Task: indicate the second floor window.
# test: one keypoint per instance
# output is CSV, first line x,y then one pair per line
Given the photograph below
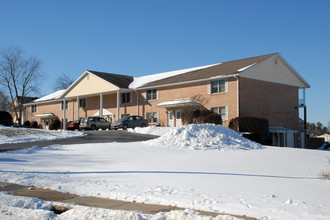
x,y
66,105
219,86
151,94
82,103
126,97
33,108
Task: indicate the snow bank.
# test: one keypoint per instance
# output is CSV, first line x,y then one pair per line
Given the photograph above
x,y
17,135
153,130
203,137
19,207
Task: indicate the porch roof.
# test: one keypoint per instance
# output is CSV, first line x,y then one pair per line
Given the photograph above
x,y
46,115
177,103
104,112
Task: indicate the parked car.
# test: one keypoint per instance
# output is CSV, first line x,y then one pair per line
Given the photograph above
x,y
129,122
72,125
94,123
5,118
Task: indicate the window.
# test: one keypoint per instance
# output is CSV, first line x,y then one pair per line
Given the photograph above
x,y
126,97
152,117
222,111
152,94
66,105
33,108
219,86
82,103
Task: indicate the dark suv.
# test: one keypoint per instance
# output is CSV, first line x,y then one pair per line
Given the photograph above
x,y
5,118
94,123
131,121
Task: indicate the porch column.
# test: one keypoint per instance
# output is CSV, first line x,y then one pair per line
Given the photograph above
x,y
72,110
137,102
77,107
118,104
64,114
101,105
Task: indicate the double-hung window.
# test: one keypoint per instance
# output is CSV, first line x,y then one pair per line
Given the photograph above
x,y
219,86
152,117
33,108
66,105
222,111
126,97
151,94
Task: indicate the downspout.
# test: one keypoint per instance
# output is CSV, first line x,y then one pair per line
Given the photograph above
x,y
236,77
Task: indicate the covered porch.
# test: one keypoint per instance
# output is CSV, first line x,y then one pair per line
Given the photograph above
x,y
176,109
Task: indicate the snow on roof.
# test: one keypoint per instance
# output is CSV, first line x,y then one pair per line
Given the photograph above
x,y
244,68
51,96
140,81
180,102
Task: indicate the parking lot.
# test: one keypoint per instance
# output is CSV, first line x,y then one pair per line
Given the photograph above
x,y
91,137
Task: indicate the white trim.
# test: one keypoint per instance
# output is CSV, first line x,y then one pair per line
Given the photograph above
x,y
35,106
78,81
209,87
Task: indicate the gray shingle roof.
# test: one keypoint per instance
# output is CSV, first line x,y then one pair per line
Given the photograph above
x,y
122,81
222,69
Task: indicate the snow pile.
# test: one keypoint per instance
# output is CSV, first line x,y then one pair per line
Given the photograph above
x,y
203,137
17,135
98,213
153,130
19,207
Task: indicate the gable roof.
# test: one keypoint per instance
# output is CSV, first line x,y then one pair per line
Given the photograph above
x,y
221,69
121,81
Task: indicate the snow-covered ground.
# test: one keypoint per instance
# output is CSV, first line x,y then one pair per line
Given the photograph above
x,y
203,167
19,135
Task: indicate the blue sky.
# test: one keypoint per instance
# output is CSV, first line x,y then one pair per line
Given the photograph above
x,y
150,36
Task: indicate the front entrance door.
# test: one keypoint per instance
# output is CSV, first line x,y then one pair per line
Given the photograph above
x,y
177,118
171,118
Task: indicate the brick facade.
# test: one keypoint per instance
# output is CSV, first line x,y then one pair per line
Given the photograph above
x,y
273,101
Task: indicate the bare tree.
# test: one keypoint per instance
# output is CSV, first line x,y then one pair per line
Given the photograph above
x,y
19,76
63,82
4,104
190,109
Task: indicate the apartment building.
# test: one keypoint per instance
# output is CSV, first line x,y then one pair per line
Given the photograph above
x,y
265,86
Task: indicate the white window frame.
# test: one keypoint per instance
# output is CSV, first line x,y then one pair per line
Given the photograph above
x,y
217,110
219,87
33,108
153,92
66,103
155,115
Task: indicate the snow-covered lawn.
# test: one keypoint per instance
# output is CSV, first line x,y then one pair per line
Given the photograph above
x,y
194,167
19,135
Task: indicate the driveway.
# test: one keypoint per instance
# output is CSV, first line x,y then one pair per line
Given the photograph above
x,y
91,137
